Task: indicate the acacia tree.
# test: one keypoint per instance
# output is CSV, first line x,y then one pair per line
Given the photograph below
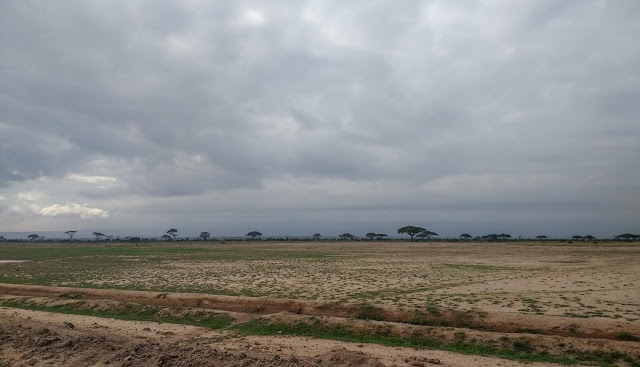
x,y
465,236
173,233
254,234
166,237
70,234
347,236
426,234
99,235
577,237
627,237
205,235
370,235
33,237
504,236
380,235
541,237
316,236
411,230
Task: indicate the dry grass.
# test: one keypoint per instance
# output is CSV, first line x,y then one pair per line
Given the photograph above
x,y
573,280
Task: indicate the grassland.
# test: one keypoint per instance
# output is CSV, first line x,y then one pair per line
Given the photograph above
x,y
576,280
530,292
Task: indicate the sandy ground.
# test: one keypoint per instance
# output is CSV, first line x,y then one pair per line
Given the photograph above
x,y
34,338
579,279
557,296
247,307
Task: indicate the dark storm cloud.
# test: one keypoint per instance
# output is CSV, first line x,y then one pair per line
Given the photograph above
x,y
467,104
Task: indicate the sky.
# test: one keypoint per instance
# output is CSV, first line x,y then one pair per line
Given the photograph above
x,y
296,117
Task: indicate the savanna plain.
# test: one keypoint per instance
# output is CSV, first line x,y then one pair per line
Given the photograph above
x,y
323,303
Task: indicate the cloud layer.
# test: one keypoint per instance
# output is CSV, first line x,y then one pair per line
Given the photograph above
x,y
82,210
303,116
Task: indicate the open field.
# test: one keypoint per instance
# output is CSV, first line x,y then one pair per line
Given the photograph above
x,y
550,302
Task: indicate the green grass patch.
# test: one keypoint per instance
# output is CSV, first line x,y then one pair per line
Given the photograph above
x,y
110,266
415,340
520,349
175,315
476,267
154,250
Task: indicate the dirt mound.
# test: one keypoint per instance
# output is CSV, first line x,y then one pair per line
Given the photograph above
x,y
592,328
347,358
30,344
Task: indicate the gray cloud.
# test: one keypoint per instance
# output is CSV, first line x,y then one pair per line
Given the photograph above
x,y
456,113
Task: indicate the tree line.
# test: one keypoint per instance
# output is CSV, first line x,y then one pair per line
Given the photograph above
x,y
412,231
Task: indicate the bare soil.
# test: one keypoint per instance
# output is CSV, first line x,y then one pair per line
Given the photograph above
x,y
592,328
556,297
578,280
34,338
50,339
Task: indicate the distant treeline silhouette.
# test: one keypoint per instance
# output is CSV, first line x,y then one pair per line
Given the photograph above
x,y
415,234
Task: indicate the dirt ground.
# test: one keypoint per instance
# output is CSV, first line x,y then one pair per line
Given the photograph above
x,y
580,280
556,297
34,338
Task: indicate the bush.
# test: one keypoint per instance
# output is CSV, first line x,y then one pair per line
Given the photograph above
x,y
627,337
370,312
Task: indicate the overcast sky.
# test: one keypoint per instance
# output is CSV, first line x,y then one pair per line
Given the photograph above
x,y
296,117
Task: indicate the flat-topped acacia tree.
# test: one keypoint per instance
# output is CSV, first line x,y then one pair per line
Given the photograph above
x,y
99,235
347,236
173,233
627,237
411,230
70,234
254,234
426,234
